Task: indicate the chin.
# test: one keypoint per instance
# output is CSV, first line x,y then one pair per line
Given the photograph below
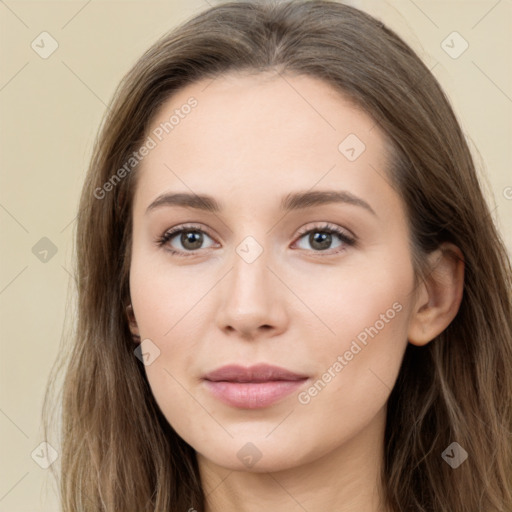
x,y
255,457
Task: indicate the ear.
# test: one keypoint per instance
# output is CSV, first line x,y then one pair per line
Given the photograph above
x,y
439,298
132,322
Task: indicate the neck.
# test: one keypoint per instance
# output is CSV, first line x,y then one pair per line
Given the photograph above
x,y
346,479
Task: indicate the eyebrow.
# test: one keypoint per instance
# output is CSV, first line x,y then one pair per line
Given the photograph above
x,y
292,201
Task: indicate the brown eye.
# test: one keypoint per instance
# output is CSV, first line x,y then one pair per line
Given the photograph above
x,y
321,239
183,240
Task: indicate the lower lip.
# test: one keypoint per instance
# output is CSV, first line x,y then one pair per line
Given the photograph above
x,y
253,395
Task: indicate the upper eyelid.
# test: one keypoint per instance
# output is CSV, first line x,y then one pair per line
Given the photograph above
x,y
307,227
325,225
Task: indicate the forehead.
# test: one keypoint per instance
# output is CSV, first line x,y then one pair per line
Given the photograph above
x,y
257,132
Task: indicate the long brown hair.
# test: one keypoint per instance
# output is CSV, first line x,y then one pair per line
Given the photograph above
x,y
117,450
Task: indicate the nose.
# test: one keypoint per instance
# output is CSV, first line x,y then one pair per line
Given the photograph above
x,y
252,300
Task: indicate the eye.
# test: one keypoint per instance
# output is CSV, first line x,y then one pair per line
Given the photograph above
x,y
320,238
191,238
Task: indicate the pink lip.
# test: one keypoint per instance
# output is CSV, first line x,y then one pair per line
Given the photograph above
x,y
254,387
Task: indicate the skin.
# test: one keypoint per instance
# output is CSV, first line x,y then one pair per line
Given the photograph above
x,y
251,140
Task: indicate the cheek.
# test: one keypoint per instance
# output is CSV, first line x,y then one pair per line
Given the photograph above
x,y
364,301
360,360
168,333
358,357
167,303
162,293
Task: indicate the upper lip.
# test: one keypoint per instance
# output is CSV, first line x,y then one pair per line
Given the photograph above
x,y
256,373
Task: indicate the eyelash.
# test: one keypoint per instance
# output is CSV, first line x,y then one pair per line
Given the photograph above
x,y
324,228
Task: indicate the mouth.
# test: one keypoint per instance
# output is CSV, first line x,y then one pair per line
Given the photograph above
x,y
254,387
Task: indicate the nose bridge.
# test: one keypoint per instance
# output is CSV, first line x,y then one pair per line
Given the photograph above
x,y
250,293
250,277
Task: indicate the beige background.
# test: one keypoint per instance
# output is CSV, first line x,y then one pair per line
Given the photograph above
x,y
50,110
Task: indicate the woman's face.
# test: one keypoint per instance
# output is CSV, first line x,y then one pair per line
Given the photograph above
x,y
264,278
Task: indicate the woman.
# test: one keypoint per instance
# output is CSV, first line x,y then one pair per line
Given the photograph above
x,y
339,332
